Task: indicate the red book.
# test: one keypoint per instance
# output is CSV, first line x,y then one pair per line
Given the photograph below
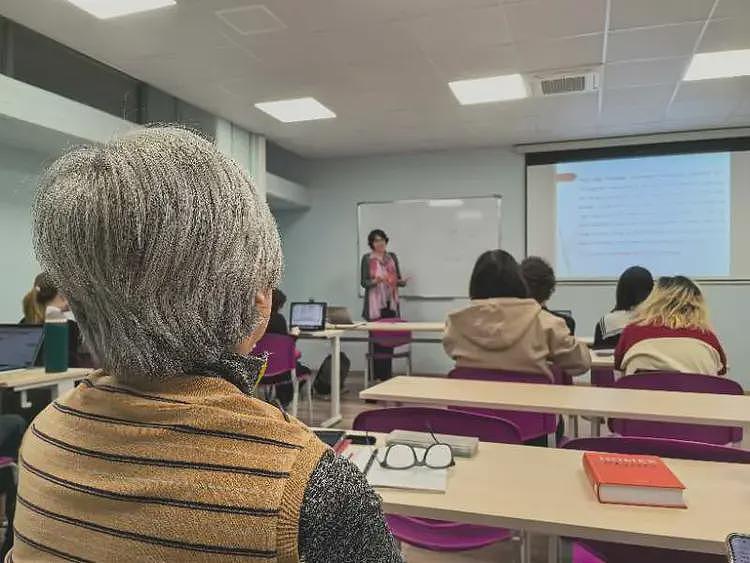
x,y
642,480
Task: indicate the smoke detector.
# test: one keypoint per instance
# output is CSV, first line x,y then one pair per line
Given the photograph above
x,y
559,82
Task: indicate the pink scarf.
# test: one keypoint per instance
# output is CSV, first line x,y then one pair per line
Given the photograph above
x,y
384,293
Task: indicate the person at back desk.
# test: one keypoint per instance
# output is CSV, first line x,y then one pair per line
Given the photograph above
x,y
633,287
540,279
671,332
505,330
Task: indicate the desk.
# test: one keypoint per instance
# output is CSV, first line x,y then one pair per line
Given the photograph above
x,y
602,359
22,380
545,491
663,406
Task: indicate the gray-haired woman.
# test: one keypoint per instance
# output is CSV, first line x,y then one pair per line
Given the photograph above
x,y
168,257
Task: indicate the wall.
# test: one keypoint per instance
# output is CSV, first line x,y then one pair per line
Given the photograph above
x,y
19,171
321,244
322,260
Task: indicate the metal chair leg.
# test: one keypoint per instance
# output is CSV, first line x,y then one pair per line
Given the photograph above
x,y
295,395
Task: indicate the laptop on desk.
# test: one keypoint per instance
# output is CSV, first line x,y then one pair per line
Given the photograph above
x,y
308,316
20,346
339,315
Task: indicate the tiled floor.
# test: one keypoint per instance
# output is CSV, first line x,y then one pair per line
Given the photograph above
x,y
506,552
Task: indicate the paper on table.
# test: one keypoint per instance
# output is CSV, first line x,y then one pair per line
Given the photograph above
x,y
416,478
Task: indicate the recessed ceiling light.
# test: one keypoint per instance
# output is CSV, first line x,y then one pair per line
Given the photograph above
x,y
298,109
490,89
719,64
105,9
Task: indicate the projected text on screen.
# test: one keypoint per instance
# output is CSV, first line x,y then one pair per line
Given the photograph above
x,y
670,214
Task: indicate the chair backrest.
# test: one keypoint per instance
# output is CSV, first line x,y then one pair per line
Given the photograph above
x,y
391,338
440,421
681,382
532,424
281,353
664,447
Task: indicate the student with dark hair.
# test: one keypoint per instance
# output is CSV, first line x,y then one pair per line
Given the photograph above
x,y
380,276
540,279
277,325
633,287
502,328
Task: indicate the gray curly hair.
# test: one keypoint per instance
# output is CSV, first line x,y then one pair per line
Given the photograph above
x,y
160,244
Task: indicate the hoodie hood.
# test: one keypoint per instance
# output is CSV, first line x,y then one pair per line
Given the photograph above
x,y
496,324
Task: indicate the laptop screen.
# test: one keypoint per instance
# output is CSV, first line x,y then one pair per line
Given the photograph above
x,y
19,345
308,316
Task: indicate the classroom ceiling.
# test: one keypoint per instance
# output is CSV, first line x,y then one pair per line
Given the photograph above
x,y
383,65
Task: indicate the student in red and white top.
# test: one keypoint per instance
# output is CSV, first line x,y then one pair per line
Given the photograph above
x,y
671,332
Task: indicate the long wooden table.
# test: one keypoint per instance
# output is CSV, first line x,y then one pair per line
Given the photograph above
x,y
663,406
545,491
22,380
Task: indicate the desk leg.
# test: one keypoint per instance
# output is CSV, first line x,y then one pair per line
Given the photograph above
x,y
596,426
573,422
61,388
525,547
553,549
335,383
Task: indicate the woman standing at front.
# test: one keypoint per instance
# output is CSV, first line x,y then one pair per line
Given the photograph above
x,y
380,277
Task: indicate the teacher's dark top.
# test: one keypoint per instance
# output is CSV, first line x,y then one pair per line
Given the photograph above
x,y
368,283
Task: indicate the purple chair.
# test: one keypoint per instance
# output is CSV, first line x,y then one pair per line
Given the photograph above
x,y
387,339
282,359
602,377
593,551
684,382
437,535
531,424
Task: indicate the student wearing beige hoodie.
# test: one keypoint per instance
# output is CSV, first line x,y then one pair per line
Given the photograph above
x,y
504,329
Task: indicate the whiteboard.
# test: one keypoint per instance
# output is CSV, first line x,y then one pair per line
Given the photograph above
x,y
437,240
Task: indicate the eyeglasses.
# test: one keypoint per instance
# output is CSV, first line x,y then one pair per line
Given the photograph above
x,y
405,456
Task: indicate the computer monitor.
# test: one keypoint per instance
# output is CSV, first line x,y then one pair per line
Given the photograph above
x,y
308,316
20,346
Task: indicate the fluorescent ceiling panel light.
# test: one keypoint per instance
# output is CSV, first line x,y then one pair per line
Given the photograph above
x,y
105,9
490,89
298,109
719,64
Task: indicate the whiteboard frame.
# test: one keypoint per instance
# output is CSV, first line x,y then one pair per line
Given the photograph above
x,y
499,199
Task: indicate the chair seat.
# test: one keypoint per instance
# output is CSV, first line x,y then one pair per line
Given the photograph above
x,y
443,537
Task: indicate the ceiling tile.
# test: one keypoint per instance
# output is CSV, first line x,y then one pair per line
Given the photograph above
x,y
639,104
732,8
653,42
555,18
492,60
470,28
725,98
726,34
645,72
640,13
560,53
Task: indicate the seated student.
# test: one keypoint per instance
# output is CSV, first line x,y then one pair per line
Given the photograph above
x,y
540,279
503,329
633,287
45,296
671,332
168,258
277,325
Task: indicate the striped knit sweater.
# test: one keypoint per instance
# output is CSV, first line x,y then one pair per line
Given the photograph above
x,y
658,348
111,472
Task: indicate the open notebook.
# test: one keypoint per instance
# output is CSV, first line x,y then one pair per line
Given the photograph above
x,y
416,478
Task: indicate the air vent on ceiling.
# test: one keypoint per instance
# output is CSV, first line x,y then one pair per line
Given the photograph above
x,y
565,82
